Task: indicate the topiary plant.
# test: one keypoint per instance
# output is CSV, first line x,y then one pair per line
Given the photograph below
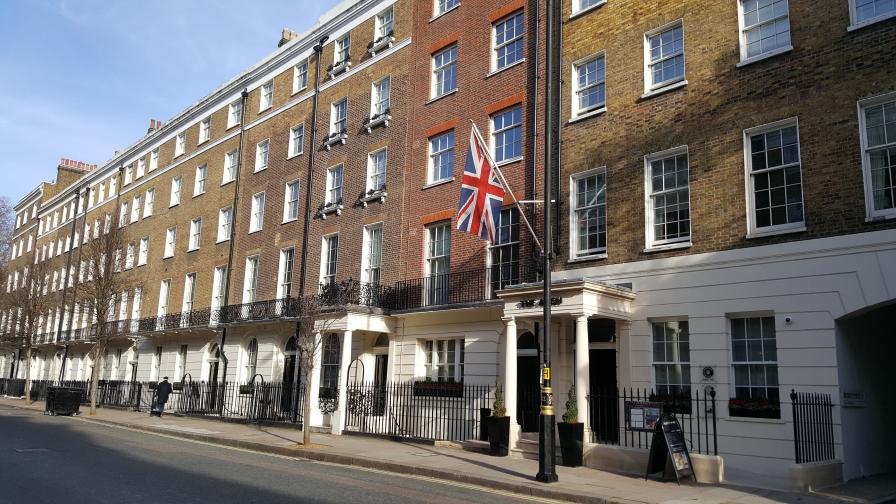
x,y
498,409
572,410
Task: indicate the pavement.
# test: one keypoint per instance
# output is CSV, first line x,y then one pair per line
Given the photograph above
x,y
506,474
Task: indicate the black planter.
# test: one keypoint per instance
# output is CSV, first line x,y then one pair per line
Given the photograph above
x,y
571,441
484,413
499,435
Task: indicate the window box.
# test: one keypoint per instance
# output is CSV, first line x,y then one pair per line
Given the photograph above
x,y
329,208
378,119
384,42
373,195
335,138
338,68
754,408
438,389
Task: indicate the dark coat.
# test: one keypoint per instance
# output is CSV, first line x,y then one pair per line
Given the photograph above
x,y
163,391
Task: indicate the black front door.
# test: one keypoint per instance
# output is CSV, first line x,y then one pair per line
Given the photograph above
x,y
604,402
380,375
528,392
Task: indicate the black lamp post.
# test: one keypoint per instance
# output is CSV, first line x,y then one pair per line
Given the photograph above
x,y
546,443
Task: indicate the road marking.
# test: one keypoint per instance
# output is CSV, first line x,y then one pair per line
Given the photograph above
x,y
332,464
31,450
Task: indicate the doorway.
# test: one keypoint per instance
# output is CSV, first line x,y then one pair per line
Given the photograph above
x,y
290,372
528,382
604,403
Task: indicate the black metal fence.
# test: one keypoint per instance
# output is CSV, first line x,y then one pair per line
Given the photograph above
x,y
696,414
418,410
813,427
255,402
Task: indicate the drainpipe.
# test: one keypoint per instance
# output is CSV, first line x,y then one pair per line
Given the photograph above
x,y
318,49
236,197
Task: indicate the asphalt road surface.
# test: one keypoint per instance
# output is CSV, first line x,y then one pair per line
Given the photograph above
x,y
62,460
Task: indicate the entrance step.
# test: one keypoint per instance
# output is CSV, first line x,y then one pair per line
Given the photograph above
x,y
527,448
470,445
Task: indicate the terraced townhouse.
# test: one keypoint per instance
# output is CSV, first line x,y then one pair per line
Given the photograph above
x,y
724,229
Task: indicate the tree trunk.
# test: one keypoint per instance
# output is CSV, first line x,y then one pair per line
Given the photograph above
x,y
94,375
28,375
306,408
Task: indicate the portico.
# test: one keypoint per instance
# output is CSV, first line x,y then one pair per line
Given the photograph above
x,y
575,303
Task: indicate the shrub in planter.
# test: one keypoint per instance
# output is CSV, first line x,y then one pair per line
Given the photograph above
x,y
499,426
572,432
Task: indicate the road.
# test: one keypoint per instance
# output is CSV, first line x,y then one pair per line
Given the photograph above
x,y
65,460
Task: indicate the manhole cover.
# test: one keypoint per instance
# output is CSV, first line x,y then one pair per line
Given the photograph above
x,y
31,450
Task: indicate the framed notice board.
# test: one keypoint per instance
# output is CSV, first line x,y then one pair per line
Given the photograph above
x,y
642,416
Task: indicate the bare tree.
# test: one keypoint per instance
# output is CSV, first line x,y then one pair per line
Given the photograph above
x,y
103,284
27,303
316,315
7,228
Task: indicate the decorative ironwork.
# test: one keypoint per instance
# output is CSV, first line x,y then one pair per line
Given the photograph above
x,y
813,427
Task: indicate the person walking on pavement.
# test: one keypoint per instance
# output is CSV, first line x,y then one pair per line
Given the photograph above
x,y
162,392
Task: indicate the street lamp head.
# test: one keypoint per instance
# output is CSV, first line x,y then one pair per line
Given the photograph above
x,y
320,44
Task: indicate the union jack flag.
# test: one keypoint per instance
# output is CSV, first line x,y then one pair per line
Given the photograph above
x,y
481,192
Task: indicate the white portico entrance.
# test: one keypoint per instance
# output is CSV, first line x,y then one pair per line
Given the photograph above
x,y
581,308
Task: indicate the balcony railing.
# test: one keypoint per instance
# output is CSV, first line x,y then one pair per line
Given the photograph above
x,y
428,293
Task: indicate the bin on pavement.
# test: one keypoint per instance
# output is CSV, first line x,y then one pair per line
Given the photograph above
x,y
63,400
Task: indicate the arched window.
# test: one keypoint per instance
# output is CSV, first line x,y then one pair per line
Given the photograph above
x,y
329,376
252,362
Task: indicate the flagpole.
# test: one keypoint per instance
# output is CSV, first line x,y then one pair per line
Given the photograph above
x,y
491,160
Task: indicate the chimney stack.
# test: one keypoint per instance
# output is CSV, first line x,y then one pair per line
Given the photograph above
x,y
286,36
154,124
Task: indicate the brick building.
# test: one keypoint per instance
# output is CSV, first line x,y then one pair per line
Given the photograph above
x,y
724,227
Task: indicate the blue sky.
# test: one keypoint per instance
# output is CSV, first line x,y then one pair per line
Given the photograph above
x,y
81,78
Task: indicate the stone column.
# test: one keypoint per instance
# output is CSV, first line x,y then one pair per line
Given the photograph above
x,y
582,370
345,358
508,383
317,418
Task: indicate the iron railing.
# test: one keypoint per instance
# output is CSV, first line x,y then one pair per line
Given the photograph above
x,y
417,410
813,427
696,413
253,402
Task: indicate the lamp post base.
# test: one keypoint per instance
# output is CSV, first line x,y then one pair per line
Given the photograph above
x,y
547,461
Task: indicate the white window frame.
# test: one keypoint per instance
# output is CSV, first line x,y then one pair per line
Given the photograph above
x,y
855,24
262,155
730,318
383,23
432,361
180,144
300,76
575,107
205,130
230,160
335,119
189,293
325,249
332,189
234,113
288,200
438,71
284,274
495,133
649,216
342,44
129,256
870,213
170,242
176,187
432,176
371,166
296,140
651,87
154,159
201,180
218,282
266,96
164,297
517,36
367,265
256,220
378,104
143,253
577,7
600,252
250,280
150,199
679,360
793,227
141,170
195,234
135,208
225,222
443,6
742,34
